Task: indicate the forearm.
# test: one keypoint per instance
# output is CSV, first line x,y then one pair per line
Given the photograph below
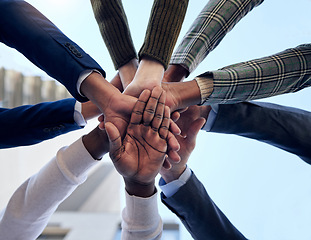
x,y
280,126
39,122
163,29
193,206
284,72
31,206
141,219
118,40
24,28
215,20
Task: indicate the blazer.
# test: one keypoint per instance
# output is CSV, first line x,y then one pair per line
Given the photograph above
x,y
31,124
28,31
199,214
283,127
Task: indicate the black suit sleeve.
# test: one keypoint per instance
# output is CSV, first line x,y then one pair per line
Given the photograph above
x,y
28,31
31,124
284,127
199,214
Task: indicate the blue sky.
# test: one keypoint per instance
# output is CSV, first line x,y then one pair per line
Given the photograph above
x,y
261,189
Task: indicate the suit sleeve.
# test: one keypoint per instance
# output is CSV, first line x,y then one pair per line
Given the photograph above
x,y
216,19
31,124
283,127
199,214
28,31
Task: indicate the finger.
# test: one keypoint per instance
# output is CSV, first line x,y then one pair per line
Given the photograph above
x,y
158,117
166,164
101,118
194,129
164,128
137,113
114,137
175,116
172,142
173,156
174,128
151,106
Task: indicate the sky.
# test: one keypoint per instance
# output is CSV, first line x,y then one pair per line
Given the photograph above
x,y
261,189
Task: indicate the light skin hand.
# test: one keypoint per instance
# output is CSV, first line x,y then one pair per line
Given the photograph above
x,y
187,144
181,95
127,72
149,75
140,156
115,106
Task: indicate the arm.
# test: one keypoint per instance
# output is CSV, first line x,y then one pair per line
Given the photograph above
x,y
216,19
138,158
24,28
199,214
32,204
284,72
279,126
190,201
31,124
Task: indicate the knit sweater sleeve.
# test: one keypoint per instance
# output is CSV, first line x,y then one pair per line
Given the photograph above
x,y
163,29
113,25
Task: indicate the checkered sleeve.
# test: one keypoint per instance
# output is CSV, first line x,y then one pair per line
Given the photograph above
x,y
285,72
216,19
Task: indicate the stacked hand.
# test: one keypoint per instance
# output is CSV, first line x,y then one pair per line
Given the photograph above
x,y
141,154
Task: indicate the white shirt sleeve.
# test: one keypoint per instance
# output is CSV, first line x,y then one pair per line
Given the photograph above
x,y
77,115
32,204
141,219
169,189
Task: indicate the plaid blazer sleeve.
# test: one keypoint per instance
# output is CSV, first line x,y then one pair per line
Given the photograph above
x,y
216,19
284,72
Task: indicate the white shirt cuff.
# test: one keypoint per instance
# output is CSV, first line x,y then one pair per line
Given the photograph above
x,y
211,118
169,189
83,75
77,115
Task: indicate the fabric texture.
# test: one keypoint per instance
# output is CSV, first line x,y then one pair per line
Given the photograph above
x,y
199,214
163,29
216,19
33,203
280,126
141,219
31,124
28,31
285,72
114,28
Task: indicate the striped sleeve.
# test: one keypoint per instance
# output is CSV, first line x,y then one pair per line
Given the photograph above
x,y
163,29
284,72
113,25
216,19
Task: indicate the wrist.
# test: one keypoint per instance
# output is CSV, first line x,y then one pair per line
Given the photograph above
x,y
96,143
175,73
128,71
172,175
139,189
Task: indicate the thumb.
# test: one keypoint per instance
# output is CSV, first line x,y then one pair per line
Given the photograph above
x,y
195,128
114,138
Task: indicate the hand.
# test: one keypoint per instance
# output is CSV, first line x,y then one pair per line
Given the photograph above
x,y
191,127
181,95
149,75
139,157
175,73
127,72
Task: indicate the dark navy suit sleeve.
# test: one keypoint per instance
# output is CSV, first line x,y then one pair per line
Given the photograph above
x,y
283,127
31,124
199,214
28,31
